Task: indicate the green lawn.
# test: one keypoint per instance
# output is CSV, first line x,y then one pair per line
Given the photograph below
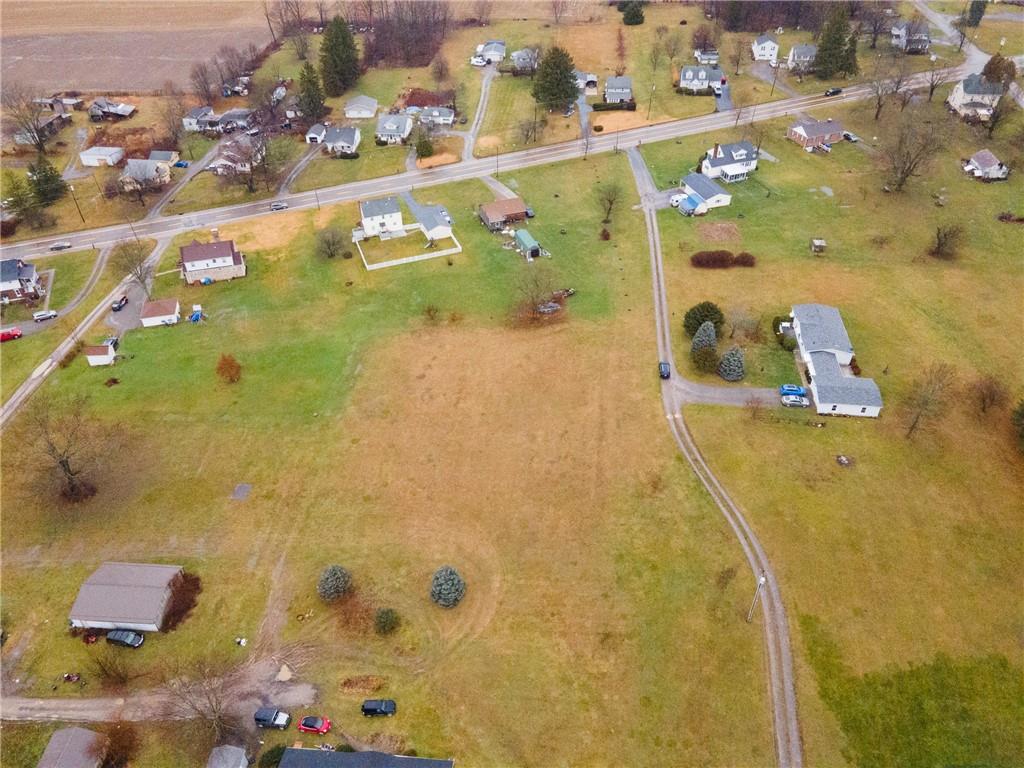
x,y
530,458
990,35
373,161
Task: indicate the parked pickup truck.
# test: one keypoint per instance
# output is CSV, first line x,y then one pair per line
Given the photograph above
x,y
269,717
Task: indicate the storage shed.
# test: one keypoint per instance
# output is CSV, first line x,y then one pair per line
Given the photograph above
x,y
101,354
94,157
526,244
126,596
160,312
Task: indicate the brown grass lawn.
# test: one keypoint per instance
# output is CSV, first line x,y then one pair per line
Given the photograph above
x,y
604,613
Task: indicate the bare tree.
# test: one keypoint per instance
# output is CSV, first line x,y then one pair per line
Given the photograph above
x,y
1003,108
199,692
172,110
739,48
937,75
900,87
131,258
881,84
261,96
70,440
874,21
439,70
961,25
928,396
291,15
330,242
121,746
270,13
754,407
989,393
673,46
201,79
654,56
915,141
528,131
535,285
558,10
323,10
660,31
608,196
234,62
25,113
947,241
482,10
113,668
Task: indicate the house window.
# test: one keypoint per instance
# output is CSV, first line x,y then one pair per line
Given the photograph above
x,y
863,410
835,407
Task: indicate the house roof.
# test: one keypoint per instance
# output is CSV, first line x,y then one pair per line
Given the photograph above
x,y
101,350
393,124
15,269
804,51
586,77
362,102
73,748
316,758
620,83
821,327
344,135
526,240
227,756
762,39
976,85
501,209
159,307
219,249
984,159
703,186
379,207
141,170
437,112
834,387
115,107
495,46
196,112
317,129
102,151
525,56
235,115
163,155
432,216
129,593
912,26
814,128
737,152
700,72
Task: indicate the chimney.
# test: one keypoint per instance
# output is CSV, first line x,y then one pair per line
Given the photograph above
x,y
715,152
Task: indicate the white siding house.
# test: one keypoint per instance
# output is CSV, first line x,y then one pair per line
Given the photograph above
x,y
974,97
730,162
986,166
393,129
101,354
343,141
706,193
697,79
618,89
380,217
801,57
198,119
437,116
765,48
160,312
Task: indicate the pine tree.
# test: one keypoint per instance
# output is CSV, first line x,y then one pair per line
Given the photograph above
x,y
832,49
705,337
339,59
633,14
311,95
731,367
554,86
850,65
975,12
21,202
45,182
698,313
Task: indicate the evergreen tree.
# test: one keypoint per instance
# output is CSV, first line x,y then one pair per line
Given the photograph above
x,y
311,95
975,12
20,200
850,65
339,59
705,360
45,182
731,367
832,48
633,14
554,86
447,587
705,337
335,582
698,313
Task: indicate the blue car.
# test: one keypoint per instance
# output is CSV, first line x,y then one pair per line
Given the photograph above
x,y
181,164
792,389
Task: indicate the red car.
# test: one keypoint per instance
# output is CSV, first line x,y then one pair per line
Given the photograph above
x,y
314,724
10,335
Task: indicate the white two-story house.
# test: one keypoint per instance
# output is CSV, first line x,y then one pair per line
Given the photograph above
x,y
765,48
206,263
700,78
379,218
730,162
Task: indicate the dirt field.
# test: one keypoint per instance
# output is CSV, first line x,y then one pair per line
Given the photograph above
x,y
117,45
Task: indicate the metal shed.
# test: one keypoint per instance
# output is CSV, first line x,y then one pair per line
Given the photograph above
x,y
126,596
526,244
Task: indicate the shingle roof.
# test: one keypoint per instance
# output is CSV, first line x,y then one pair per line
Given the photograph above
x,y
141,170
703,186
804,51
431,216
700,72
72,748
163,155
103,151
620,83
976,85
227,756
159,307
833,387
315,758
728,154
344,135
362,102
437,112
97,351
501,209
762,39
196,112
129,593
196,251
379,207
984,159
393,124
814,128
821,327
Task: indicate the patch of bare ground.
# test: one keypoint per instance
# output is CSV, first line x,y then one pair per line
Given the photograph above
x,y
718,231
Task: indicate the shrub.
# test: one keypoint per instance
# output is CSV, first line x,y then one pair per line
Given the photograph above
x,y
272,757
123,744
705,337
633,14
346,254
605,234
424,147
705,360
777,322
71,354
712,259
731,366
699,313
598,128
744,259
8,227
947,241
386,621
431,312
788,343
335,582
447,587
229,369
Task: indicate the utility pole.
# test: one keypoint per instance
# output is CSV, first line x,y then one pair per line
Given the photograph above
x,y
650,102
132,228
72,188
760,584
317,199
495,161
777,66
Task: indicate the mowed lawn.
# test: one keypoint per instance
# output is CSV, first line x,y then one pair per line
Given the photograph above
x,y
914,551
70,273
373,161
603,619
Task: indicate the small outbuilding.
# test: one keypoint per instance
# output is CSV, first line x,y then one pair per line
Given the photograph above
x,y
500,213
126,596
818,246
809,133
360,108
101,354
986,166
526,244
74,748
95,157
702,194
160,312
227,756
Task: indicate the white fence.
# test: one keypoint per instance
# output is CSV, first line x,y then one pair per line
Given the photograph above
x,y
410,259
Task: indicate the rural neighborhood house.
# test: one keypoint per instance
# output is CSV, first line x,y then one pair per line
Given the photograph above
x,y
730,162
815,133
126,596
765,48
19,280
211,262
986,166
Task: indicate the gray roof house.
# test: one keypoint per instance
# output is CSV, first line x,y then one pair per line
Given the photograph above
x,y
985,165
239,117
380,206
19,280
618,89
126,596
825,348
315,758
730,162
492,50
699,78
227,756
802,56
975,97
437,116
344,139
360,107
911,35
525,59
393,129
708,57
104,107
139,172
585,79
74,748
978,85
164,155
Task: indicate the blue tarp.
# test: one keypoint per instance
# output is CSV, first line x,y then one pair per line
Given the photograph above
x,y
690,204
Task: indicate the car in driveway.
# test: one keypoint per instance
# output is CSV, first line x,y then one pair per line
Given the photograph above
x,y
126,638
43,315
120,304
11,334
664,370
379,708
833,91
279,206
795,401
530,213
62,246
853,138
271,717
478,61
675,200
792,389
314,724
181,164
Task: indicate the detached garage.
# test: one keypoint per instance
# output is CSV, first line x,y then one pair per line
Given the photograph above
x,y
126,596
94,157
160,312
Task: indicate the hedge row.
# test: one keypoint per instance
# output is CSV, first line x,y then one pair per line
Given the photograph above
x,y
603,106
722,259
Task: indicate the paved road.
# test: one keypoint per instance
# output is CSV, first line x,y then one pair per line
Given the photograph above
x,y
782,683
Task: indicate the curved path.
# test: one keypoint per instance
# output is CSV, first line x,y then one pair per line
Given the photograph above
x,y
675,393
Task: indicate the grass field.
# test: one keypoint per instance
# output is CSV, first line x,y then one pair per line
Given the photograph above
x,y
911,556
991,34
373,161
603,592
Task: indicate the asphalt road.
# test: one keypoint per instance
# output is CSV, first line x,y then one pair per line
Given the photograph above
x,y
165,226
